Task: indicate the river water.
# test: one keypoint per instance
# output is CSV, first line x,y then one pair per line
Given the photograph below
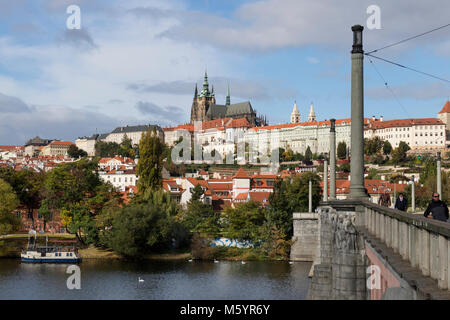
x,y
201,280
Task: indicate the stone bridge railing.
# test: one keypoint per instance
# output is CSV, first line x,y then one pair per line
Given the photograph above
x,y
423,242
412,251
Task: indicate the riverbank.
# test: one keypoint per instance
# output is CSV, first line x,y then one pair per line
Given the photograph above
x,y
98,253
11,246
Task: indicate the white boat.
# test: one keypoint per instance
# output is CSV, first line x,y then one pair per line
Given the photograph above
x,y
49,254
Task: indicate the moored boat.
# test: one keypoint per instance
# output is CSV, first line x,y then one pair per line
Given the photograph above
x,y
50,254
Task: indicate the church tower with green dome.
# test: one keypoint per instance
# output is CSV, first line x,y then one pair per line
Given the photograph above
x,y
204,107
202,101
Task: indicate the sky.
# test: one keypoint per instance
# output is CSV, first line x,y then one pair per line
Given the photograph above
x,y
137,61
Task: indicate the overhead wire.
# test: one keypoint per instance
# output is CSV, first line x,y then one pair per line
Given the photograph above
x,y
410,38
388,87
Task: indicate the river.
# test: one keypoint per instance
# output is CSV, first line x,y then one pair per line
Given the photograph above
x,y
202,280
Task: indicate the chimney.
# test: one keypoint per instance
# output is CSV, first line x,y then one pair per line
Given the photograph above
x,y
381,118
373,118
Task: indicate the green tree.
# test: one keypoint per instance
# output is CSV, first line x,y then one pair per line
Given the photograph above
x,y
279,212
298,191
75,152
107,149
197,192
139,229
308,154
75,190
399,153
126,147
8,202
150,162
372,146
387,147
345,167
342,150
200,218
244,221
27,185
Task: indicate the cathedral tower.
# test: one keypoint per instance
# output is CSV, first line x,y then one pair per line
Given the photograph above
x,y
202,101
295,115
312,114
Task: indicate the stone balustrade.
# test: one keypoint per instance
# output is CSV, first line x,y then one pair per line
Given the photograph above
x,y
423,242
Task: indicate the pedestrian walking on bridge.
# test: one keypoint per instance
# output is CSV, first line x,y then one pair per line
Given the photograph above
x,y
385,200
437,208
401,203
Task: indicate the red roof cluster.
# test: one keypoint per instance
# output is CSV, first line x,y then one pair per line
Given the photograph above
x,y
404,123
446,108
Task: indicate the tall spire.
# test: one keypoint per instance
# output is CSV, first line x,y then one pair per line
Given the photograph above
x,y
195,92
312,114
295,115
205,90
228,100
212,91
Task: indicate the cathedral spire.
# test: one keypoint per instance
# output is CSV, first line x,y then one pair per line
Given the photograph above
x,y
295,115
227,102
312,114
205,90
195,92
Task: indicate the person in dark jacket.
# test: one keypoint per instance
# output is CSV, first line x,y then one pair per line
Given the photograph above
x,y
401,203
437,208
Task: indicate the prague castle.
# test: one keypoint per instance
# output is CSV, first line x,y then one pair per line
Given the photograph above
x,y
204,107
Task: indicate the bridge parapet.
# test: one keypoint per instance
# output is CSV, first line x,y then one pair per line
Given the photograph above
x,y
421,241
412,253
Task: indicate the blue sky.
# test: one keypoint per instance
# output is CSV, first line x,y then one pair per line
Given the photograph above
x,y
60,83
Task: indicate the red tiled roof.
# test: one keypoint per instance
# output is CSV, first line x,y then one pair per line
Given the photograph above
x,y
404,123
239,123
214,124
241,174
195,182
221,186
380,186
306,124
242,196
62,143
11,148
188,127
446,108
262,197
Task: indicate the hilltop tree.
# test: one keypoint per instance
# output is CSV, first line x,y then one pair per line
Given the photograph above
x,y
387,147
75,152
399,153
308,154
150,162
372,146
342,150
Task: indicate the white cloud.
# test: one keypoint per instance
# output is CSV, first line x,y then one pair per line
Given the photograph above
x,y
416,90
274,24
312,60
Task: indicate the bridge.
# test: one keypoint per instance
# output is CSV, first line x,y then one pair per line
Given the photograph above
x,y
361,250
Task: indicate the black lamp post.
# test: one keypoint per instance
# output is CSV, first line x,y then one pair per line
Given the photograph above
x,y
357,39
